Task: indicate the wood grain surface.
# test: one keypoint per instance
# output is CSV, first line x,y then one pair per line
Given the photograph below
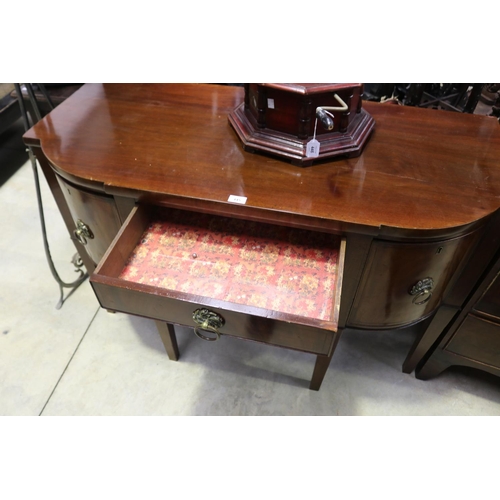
x,y
422,170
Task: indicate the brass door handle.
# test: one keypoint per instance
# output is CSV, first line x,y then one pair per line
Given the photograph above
x,y
422,291
82,232
209,321
426,294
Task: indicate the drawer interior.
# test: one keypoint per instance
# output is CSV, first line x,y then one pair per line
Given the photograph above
x,y
240,264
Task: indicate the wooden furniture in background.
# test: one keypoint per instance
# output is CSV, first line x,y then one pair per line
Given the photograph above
x,y
473,337
9,107
57,93
417,210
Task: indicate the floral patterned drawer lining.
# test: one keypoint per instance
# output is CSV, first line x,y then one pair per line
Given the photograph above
x,y
282,269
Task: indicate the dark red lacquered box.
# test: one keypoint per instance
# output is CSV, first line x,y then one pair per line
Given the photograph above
x,y
283,118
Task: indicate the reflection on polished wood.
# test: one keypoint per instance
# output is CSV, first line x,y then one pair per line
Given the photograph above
x,y
421,170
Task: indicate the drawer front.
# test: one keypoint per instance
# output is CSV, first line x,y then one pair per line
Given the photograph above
x,y
241,325
477,339
270,284
392,292
98,215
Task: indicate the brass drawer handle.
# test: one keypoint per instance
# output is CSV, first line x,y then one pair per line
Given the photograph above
x,y
426,293
422,291
82,232
210,321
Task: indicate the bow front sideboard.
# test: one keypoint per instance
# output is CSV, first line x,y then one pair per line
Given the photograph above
x,y
176,222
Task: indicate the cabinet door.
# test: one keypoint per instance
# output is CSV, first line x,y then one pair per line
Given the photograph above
x,y
97,212
388,295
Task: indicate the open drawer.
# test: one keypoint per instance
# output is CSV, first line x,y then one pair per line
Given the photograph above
x,y
225,276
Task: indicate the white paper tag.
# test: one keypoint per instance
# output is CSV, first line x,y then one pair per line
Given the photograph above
x,y
270,103
237,199
312,149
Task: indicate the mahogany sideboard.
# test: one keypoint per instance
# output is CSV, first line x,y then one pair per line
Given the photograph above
x,y
404,234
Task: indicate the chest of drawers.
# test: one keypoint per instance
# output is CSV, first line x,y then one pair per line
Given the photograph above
x,y
473,337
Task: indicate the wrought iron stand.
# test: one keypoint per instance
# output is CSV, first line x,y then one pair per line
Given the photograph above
x,y
76,260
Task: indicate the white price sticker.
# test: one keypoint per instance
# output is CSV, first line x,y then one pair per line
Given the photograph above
x,y
237,199
270,103
312,149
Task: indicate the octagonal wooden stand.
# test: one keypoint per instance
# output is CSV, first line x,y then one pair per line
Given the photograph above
x,y
349,143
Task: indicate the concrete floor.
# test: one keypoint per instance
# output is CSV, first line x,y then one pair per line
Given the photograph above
x,y
81,360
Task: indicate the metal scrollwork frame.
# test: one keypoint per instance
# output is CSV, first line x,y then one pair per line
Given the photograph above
x,y
76,260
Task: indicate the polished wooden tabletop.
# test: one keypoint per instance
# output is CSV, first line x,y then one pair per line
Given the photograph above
x,y
421,170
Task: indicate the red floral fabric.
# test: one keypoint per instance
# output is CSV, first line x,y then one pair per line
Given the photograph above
x,y
261,265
